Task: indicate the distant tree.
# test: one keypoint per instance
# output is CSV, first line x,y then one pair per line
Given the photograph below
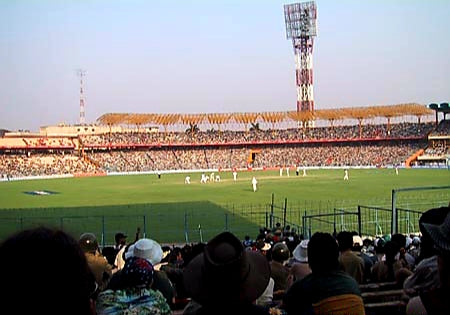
x,y
193,128
255,127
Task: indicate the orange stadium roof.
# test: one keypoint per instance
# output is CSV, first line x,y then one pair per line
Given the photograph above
x,y
358,113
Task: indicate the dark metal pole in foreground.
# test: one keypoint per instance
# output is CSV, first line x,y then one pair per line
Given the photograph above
x,y
271,211
359,221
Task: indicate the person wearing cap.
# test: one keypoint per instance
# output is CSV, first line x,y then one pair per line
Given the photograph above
x,y
226,279
133,293
435,300
299,265
96,261
349,261
263,247
327,290
279,272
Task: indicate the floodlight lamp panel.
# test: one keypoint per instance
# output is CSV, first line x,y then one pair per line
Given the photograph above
x,y
301,19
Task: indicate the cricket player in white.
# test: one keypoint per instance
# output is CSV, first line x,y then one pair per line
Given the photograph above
x,y
187,180
304,171
287,171
281,170
235,176
203,180
346,174
254,182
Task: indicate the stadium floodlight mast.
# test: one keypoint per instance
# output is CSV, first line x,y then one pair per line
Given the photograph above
x,y
81,73
301,27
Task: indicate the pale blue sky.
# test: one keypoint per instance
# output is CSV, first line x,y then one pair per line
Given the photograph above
x,y
212,56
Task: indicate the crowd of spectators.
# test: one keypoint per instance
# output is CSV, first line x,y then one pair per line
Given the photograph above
x,y
39,164
443,129
197,158
48,142
238,154
438,149
401,130
380,154
277,272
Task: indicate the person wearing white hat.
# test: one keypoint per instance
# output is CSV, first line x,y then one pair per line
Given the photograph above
x,y
151,251
300,267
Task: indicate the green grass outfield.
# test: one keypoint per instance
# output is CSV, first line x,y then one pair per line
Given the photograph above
x,y
173,211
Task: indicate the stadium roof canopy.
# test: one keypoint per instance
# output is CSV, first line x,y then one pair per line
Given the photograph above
x,y
359,113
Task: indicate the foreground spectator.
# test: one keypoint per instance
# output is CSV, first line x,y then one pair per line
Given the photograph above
x,y
327,290
435,300
226,279
300,267
349,261
44,271
151,251
96,261
133,294
390,269
279,272
426,276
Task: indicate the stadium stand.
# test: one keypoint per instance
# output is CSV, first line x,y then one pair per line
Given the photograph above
x,y
137,152
111,148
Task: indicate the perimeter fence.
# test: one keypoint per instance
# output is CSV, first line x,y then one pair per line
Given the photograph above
x,y
198,222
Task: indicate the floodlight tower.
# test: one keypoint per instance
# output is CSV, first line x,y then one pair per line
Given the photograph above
x,y
81,73
301,27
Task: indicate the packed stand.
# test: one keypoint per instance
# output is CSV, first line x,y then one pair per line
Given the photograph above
x,y
443,129
268,157
15,165
401,130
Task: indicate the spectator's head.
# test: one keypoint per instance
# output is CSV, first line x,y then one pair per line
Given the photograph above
x,y
44,271
148,249
323,253
120,238
440,236
225,272
88,243
280,252
166,253
367,242
301,251
357,243
400,239
345,240
379,245
391,249
433,216
137,273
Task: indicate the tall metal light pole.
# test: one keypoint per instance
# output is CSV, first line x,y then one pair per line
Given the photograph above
x,y
81,73
301,27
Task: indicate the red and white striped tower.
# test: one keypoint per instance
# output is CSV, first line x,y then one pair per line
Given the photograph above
x,y
301,27
81,73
